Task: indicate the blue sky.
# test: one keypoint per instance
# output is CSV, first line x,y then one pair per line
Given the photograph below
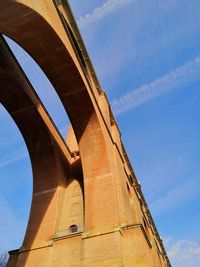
x,y
147,57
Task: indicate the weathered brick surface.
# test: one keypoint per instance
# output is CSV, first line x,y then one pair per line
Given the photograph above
x,y
88,209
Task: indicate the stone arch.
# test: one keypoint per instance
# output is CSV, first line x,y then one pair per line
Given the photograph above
x,y
37,27
41,85
43,154
46,40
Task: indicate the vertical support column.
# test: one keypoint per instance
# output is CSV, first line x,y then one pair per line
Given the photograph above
x,y
100,203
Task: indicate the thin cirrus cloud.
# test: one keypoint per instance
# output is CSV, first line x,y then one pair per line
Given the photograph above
x,y
8,220
13,157
176,197
183,252
101,11
178,77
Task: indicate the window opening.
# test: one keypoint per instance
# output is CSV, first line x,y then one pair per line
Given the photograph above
x,y
73,228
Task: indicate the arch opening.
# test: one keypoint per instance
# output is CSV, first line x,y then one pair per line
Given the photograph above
x,y
47,42
44,154
16,183
10,89
41,85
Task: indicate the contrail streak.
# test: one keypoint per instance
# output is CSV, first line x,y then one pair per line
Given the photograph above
x,y
100,12
181,76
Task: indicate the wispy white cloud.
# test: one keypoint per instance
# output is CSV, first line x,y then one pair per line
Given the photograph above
x,y
176,197
12,157
12,229
181,76
183,252
101,11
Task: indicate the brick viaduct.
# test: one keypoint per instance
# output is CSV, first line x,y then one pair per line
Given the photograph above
x,y
87,205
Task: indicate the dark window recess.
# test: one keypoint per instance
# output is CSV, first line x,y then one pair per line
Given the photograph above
x,y
73,228
131,179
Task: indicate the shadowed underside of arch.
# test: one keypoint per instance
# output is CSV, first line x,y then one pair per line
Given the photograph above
x,y
86,189
46,40
41,144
